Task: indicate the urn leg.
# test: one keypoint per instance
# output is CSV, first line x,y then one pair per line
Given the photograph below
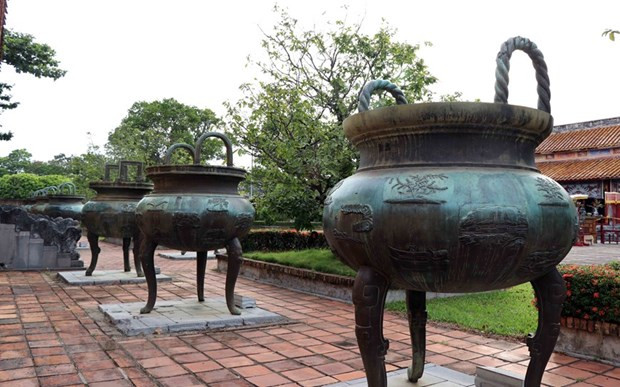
x,y
369,292
232,272
201,267
416,311
136,254
126,243
550,292
93,241
147,252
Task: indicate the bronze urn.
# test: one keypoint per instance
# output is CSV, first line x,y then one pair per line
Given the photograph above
x,y
64,202
195,208
447,198
40,199
111,213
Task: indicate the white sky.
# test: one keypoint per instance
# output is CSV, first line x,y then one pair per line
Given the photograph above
x,y
121,51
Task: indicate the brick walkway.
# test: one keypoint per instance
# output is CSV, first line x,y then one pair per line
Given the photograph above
x,y
596,254
52,334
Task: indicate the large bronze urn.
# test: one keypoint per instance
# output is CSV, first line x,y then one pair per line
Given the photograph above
x,y
64,202
195,208
40,199
111,213
447,198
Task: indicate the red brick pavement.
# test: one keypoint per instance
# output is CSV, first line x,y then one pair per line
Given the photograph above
x,y
52,334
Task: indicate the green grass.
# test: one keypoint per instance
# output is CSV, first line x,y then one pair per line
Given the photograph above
x,y
321,260
504,312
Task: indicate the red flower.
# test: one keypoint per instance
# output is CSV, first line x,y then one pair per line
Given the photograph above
x,y
569,293
601,313
565,276
586,316
594,309
596,295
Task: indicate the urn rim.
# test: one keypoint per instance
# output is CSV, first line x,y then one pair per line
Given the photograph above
x,y
449,117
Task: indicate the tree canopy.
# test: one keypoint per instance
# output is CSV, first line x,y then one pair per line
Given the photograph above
x,y
291,120
25,55
151,127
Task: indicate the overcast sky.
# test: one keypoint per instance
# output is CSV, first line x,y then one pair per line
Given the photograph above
x,y
118,52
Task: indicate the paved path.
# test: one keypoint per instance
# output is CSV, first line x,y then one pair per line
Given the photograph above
x,y
596,254
52,334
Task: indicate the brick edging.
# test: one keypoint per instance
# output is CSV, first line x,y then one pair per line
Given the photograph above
x,y
605,328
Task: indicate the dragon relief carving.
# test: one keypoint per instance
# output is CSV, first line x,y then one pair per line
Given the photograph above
x,y
329,199
552,193
417,188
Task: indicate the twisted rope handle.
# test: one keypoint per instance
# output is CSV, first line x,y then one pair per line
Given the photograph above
x,y
503,66
227,143
379,84
187,147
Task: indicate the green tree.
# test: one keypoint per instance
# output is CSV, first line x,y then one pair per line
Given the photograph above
x,y
151,127
19,160
25,55
291,121
87,167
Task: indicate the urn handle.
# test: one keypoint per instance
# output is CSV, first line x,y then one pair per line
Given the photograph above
x,y
124,170
68,187
50,190
503,66
379,84
108,171
201,139
174,147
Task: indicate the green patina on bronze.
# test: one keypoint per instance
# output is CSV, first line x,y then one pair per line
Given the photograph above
x,y
447,198
57,201
195,208
111,213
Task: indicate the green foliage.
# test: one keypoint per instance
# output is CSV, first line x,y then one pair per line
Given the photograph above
x,y
283,241
611,34
504,312
22,185
85,168
151,127
26,56
15,162
321,260
291,121
593,292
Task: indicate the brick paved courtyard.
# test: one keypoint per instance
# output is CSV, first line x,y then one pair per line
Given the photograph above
x,y
52,334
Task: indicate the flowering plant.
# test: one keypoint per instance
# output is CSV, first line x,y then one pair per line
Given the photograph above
x,y
592,292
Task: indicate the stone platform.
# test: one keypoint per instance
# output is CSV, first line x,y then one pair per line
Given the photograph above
x,y
434,375
106,277
184,315
189,255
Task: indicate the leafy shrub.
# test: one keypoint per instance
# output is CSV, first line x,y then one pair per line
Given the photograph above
x,y
283,240
593,292
22,185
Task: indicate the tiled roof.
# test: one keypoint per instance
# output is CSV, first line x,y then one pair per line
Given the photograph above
x,y
572,170
597,138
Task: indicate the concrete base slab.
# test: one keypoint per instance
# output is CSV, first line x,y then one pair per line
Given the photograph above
x,y
106,277
189,255
434,375
183,315
495,377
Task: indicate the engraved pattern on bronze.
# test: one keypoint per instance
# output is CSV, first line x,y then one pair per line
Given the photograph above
x,y
364,225
343,235
329,199
539,261
414,260
416,188
156,206
217,205
214,237
185,221
494,226
129,207
244,221
551,192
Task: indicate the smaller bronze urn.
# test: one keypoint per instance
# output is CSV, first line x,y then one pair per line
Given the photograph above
x,y
195,208
41,199
111,212
64,202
